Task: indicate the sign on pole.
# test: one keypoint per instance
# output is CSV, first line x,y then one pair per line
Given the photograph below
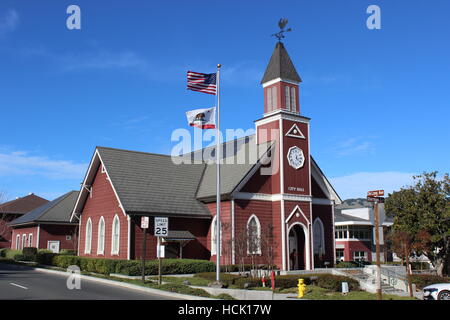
x,y
144,222
161,226
375,193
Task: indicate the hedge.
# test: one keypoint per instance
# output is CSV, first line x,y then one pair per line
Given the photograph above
x,y
133,267
423,280
327,281
169,266
9,253
226,278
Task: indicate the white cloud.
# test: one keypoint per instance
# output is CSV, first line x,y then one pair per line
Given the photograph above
x,y
354,146
357,184
8,22
21,163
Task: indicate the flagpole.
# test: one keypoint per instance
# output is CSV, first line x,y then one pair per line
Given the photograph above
x,y
218,224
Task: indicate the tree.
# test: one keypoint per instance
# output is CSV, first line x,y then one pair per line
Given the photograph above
x,y
422,211
4,218
403,245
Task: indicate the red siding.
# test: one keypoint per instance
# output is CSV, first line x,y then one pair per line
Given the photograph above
x,y
53,232
325,213
25,230
195,249
351,246
103,203
296,181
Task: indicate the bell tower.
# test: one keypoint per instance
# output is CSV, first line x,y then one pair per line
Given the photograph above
x,y
281,83
291,163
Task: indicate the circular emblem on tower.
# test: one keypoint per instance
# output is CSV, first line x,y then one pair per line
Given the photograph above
x,y
296,158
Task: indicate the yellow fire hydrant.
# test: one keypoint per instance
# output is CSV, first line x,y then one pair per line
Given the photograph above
x,y
301,288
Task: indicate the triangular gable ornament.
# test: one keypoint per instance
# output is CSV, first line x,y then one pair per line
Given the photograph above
x,y
295,132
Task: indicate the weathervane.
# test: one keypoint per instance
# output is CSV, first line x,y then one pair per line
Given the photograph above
x,y
282,23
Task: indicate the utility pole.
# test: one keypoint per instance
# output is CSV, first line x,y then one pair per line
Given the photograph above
x,y
377,244
376,197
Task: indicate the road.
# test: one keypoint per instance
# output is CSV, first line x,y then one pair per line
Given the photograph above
x,y
24,283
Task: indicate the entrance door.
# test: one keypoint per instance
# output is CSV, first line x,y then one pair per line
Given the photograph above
x,y
53,246
297,248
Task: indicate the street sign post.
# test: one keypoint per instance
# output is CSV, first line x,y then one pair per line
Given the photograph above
x,y
375,196
161,230
144,226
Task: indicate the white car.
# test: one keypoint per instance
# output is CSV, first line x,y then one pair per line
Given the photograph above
x,y
438,291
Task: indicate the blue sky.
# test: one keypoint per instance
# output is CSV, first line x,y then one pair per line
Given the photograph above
x,y
378,99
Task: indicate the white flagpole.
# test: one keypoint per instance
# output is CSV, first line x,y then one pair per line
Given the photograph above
x,y
218,225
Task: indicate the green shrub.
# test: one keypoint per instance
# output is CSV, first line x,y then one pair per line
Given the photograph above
x,y
224,296
45,257
10,253
180,288
245,267
19,257
30,253
334,283
169,266
346,264
423,280
226,278
68,252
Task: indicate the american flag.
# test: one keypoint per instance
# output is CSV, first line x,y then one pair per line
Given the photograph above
x,y
202,82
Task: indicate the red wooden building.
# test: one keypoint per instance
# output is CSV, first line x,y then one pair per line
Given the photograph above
x,y
14,209
47,227
277,205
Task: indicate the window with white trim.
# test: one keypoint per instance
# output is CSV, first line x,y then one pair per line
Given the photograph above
x,y
214,237
287,94
30,240
269,99
274,97
293,99
18,242
339,254
359,256
88,238
253,235
101,236
115,238
24,240
319,237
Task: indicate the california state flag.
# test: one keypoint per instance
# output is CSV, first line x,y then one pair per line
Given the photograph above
x,y
202,118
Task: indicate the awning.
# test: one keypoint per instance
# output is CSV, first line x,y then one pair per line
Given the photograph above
x,y
178,235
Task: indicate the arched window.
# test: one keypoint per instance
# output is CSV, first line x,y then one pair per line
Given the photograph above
x,y
30,240
18,242
115,238
319,238
101,236
288,98
24,241
88,238
214,237
253,235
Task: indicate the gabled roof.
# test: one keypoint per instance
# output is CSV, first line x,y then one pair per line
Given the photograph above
x,y
153,183
22,205
280,66
239,156
58,210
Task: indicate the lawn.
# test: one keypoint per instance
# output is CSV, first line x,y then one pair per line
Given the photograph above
x,y
317,293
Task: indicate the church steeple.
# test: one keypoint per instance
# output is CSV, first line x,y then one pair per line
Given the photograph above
x,y
280,66
280,83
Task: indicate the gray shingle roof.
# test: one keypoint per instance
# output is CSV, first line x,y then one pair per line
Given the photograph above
x,y
280,66
152,183
58,210
148,183
239,155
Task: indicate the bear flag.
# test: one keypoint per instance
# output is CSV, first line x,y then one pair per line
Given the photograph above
x,y
202,118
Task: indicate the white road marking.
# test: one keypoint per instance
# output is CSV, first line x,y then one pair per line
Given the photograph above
x,y
17,285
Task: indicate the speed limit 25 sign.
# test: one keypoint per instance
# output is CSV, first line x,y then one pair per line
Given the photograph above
x,y
161,226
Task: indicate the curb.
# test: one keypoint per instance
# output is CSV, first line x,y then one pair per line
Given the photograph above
x,y
129,286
